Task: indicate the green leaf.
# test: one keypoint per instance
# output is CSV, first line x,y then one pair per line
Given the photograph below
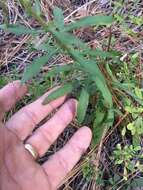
x,y
126,89
138,93
98,125
66,89
137,148
110,118
103,121
119,162
92,68
59,18
90,21
67,39
137,182
110,72
70,39
60,69
37,7
33,69
82,105
132,128
123,131
19,29
136,140
88,66
46,47
105,92
100,53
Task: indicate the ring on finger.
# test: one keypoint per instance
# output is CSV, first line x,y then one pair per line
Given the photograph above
x,y
31,150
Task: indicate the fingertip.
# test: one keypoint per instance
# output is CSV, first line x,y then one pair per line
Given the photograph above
x,y
23,88
87,130
85,136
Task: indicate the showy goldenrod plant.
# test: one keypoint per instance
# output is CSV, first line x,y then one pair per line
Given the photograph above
x,y
88,75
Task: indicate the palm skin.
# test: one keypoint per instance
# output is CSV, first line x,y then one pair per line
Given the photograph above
x,y
18,169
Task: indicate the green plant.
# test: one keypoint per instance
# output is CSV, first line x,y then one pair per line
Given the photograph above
x,y
83,76
126,156
88,79
136,126
106,83
88,171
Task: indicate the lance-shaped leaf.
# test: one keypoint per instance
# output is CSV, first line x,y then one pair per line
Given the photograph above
x,y
19,29
103,120
37,7
58,18
82,105
33,69
88,66
61,91
100,53
102,87
90,21
92,68
98,125
66,39
60,69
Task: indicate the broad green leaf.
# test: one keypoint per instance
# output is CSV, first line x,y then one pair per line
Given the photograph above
x,y
58,18
98,20
66,89
19,29
33,69
82,105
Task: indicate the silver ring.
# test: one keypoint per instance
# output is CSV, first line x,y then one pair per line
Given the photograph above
x,y
31,150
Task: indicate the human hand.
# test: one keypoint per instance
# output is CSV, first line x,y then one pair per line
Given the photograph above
x,y
18,169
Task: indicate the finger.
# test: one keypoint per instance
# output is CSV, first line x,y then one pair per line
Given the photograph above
x,y
45,136
25,120
10,94
60,164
